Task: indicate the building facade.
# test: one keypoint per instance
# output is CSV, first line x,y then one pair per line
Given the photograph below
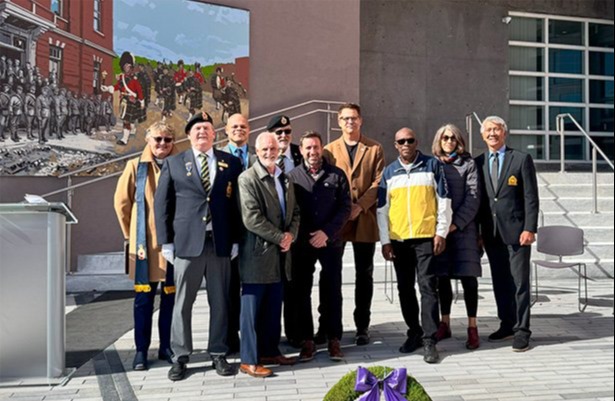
x,y
70,41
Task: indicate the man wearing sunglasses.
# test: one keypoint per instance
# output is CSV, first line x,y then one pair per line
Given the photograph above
x,y
134,206
290,154
289,157
362,159
414,215
197,223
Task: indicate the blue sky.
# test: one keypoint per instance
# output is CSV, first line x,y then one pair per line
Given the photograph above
x,y
180,29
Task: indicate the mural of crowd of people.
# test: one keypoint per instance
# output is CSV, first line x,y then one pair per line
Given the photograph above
x,y
49,128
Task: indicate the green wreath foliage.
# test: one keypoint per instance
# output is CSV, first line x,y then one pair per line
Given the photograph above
x,y
344,389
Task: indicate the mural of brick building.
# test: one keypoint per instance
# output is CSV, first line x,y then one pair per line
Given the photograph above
x,y
69,40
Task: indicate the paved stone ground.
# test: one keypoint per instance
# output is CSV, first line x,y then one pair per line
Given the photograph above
x,y
571,359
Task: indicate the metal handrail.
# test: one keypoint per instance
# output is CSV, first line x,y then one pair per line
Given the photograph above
x,y
470,129
69,175
559,123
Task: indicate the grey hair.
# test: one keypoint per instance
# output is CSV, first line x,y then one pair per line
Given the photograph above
x,y
262,136
496,120
436,147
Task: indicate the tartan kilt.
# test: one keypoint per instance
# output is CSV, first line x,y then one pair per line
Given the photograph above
x,y
196,100
129,111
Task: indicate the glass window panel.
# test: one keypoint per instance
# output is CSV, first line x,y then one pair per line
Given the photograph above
x,y
565,90
526,88
527,117
606,144
566,32
601,120
526,58
601,91
601,63
526,29
576,112
532,144
600,35
566,61
574,147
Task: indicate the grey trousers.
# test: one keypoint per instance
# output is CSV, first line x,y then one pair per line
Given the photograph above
x,y
189,273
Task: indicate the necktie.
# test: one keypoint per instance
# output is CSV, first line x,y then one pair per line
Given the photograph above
x,y
281,163
205,180
239,153
494,170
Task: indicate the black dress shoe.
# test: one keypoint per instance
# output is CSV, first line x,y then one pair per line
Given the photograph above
x,y
165,355
177,371
521,343
501,334
140,361
223,368
362,337
411,344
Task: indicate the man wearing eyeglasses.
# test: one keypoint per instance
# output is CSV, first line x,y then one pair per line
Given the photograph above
x,y
290,154
237,130
197,223
414,215
362,160
289,157
134,206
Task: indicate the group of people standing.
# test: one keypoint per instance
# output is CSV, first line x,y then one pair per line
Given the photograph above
x,y
254,221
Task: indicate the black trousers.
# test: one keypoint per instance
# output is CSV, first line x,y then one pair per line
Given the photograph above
x,y
143,311
299,291
364,283
510,273
234,307
470,294
414,258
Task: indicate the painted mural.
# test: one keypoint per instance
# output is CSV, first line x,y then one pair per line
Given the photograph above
x,y
79,102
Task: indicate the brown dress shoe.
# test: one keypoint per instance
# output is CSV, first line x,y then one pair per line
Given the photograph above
x,y
444,332
335,352
307,351
255,370
277,360
473,339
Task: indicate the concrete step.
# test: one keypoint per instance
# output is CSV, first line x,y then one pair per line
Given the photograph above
x,y
573,178
577,204
574,190
579,219
100,264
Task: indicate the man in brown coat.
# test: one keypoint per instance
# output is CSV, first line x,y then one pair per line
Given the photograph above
x,y
134,206
362,159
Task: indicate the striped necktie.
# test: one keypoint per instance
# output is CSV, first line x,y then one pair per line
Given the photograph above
x,y
281,163
206,181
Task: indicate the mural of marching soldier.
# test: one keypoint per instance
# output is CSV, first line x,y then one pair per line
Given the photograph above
x,y
61,112
194,93
107,112
146,83
5,101
16,107
43,114
167,88
74,113
131,96
217,84
30,111
180,77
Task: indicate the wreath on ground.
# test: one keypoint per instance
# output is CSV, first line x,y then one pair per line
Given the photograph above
x,y
365,384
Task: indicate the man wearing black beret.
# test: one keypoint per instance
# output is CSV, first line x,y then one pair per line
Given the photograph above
x,y
289,158
197,220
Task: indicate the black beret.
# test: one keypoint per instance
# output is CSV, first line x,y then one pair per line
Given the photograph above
x,y
278,121
200,117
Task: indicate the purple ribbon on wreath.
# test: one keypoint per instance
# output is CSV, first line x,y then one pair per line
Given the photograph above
x,y
393,385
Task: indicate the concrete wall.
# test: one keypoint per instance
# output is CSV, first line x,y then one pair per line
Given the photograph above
x,y
427,63
299,50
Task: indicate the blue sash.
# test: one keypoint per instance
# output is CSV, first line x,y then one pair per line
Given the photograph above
x,y
141,264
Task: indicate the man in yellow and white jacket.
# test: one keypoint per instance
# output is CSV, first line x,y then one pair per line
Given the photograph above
x,y
414,215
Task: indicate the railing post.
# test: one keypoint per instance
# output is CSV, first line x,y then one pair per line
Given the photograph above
x,y
69,202
595,179
469,131
328,122
559,122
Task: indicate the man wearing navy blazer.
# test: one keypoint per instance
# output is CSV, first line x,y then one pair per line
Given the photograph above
x,y
508,220
197,219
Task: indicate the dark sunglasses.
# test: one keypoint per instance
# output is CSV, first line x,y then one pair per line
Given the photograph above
x,y
446,138
287,131
159,139
405,141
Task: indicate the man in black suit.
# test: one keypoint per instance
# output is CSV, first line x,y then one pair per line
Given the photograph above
x,y
288,158
197,220
508,221
290,154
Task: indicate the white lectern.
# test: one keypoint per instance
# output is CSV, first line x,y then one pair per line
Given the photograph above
x,y
32,292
